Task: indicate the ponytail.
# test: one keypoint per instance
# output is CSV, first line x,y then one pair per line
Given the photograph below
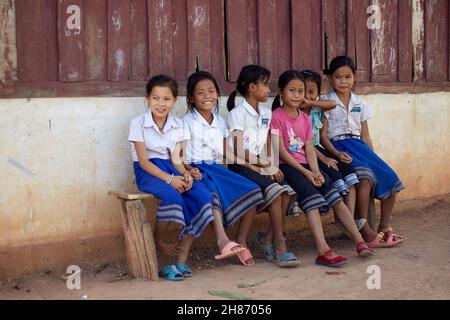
x,y
276,102
231,100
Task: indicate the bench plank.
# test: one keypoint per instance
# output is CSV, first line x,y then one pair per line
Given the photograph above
x,y
131,195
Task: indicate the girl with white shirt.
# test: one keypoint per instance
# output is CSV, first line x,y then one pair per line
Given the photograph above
x,y
234,197
155,139
345,134
250,125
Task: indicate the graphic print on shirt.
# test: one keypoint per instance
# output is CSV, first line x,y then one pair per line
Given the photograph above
x,y
295,143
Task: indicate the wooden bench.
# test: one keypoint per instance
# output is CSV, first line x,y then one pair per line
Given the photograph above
x,y
139,242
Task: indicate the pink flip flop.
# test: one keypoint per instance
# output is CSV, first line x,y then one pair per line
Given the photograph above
x,y
229,250
390,235
381,242
245,256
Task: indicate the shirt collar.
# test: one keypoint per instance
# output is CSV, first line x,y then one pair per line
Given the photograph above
x,y
149,122
250,109
354,99
199,118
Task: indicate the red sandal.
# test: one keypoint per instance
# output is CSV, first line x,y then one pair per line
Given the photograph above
x,y
364,249
323,260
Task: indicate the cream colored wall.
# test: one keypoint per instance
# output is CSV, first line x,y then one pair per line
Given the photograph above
x,y
59,158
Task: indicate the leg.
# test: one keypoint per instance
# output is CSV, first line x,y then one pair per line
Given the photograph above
x,y
221,236
276,223
185,246
341,211
244,226
386,212
315,224
363,198
350,200
168,249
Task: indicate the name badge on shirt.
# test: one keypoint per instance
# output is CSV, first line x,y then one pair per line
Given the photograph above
x,y
318,124
356,109
265,122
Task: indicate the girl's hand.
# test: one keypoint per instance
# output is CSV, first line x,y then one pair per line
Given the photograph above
x,y
307,103
188,180
196,174
331,163
319,178
179,184
345,157
310,176
264,163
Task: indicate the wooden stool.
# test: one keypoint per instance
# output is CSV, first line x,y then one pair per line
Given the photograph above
x,y
140,245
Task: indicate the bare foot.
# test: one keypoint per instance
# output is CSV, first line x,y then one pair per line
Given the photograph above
x,y
168,249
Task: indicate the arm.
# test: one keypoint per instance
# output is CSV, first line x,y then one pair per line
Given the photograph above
x,y
146,165
365,136
326,143
324,105
290,161
247,156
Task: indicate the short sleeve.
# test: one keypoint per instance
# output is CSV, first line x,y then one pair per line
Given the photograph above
x,y
223,127
366,112
186,130
136,132
275,124
309,130
236,120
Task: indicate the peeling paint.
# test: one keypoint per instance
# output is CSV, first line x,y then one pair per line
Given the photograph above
x,y
418,38
116,19
200,16
8,60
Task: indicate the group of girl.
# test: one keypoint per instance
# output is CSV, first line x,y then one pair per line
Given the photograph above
x,y
323,147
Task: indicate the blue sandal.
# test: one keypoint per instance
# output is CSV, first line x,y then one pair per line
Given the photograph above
x,y
269,249
170,272
184,270
287,260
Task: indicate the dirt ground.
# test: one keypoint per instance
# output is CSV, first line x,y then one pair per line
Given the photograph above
x,y
417,269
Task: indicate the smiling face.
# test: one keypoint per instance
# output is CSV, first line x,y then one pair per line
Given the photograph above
x,y
312,91
293,94
161,101
343,80
205,95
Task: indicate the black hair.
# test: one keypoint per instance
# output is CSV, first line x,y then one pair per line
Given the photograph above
x,y
309,75
248,75
339,62
195,78
283,81
162,81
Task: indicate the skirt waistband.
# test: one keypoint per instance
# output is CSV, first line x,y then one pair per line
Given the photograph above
x,y
346,136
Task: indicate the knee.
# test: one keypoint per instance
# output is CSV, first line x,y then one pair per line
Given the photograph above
x,y
364,184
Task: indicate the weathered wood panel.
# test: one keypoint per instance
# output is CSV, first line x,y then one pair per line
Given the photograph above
x,y
307,48
334,21
118,40
96,39
52,40
358,37
71,40
405,47
384,43
436,39
139,40
31,40
199,28
160,35
241,35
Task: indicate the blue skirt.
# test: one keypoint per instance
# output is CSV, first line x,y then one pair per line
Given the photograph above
x,y
368,165
233,195
191,209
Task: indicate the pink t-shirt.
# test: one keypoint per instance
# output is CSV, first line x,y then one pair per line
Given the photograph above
x,y
295,132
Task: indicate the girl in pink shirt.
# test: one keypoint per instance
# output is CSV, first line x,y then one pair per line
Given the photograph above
x,y
298,162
